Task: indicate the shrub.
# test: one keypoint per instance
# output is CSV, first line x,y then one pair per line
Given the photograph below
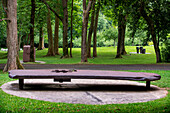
x,y
165,50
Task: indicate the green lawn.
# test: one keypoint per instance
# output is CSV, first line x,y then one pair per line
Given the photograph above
x,y
9,103
106,55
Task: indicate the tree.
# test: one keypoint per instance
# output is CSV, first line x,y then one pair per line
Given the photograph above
x,y
32,51
91,29
64,20
50,37
13,61
71,43
86,10
41,20
152,29
56,35
41,39
95,30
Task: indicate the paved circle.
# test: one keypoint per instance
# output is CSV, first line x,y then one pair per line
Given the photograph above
x,y
86,91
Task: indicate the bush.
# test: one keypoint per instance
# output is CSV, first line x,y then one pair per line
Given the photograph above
x,y
166,51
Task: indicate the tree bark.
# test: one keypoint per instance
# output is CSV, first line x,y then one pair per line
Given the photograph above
x,y
120,38
56,34
65,27
84,30
152,30
41,39
91,29
56,51
12,37
71,43
32,58
50,37
123,35
64,20
95,31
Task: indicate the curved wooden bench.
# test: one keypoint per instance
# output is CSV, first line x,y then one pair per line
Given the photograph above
x,y
62,75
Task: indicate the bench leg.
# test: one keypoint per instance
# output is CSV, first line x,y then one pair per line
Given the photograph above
x,y
148,84
21,83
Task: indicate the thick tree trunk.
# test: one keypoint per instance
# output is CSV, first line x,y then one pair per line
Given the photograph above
x,y
50,37
71,43
91,29
65,27
152,30
56,36
95,31
41,39
32,58
119,44
84,30
123,35
12,40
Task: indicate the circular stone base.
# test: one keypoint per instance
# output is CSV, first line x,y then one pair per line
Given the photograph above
x,y
85,91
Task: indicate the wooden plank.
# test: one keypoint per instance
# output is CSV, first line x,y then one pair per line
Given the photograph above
x,y
83,74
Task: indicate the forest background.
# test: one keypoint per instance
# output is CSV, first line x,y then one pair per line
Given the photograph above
x,y
73,23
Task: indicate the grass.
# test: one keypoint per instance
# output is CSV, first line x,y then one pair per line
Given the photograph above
x,y
106,55
9,103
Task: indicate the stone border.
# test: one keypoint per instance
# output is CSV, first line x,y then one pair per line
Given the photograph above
x,y
91,92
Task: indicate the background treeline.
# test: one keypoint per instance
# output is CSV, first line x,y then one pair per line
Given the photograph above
x,y
106,30
89,23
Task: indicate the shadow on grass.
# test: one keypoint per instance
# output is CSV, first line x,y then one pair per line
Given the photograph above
x,y
81,87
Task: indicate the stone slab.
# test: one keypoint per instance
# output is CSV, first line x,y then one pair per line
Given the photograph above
x,y
85,91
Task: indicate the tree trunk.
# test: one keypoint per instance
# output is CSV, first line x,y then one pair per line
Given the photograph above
x,y
41,39
84,30
56,34
32,58
95,31
71,43
114,43
123,35
56,51
120,38
23,40
91,29
65,27
12,37
50,37
152,30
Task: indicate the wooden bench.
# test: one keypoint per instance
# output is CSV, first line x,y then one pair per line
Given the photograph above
x,y
62,75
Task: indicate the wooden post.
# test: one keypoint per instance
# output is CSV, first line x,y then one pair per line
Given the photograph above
x,y
148,84
21,83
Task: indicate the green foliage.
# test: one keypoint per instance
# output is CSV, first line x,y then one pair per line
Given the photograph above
x,y
107,36
3,34
166,51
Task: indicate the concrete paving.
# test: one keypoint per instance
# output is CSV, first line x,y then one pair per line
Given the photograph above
x,y
82,91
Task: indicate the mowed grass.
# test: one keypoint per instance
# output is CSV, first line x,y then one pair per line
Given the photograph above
x,y
13,104
106,55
